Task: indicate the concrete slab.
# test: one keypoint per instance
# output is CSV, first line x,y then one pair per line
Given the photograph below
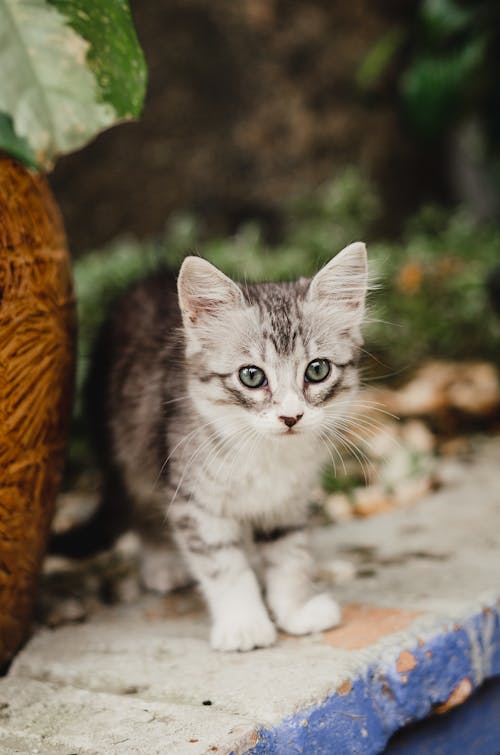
x,y
42,717
421,631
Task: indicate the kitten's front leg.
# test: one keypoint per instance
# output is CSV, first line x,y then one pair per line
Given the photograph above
x,y
291,594
213,550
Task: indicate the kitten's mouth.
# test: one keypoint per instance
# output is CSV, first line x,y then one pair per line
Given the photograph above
x,y
290,431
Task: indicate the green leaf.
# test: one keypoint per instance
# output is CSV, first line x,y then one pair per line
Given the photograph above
x,y
68,69
378,59
11,143
114,55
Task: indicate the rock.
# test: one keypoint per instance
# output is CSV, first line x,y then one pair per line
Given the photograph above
x,y
73,507
469,387
338,507
411,490
475,389
417,436
371,500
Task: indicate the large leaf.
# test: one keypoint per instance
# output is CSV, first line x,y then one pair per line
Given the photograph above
x,y
13,144
68,69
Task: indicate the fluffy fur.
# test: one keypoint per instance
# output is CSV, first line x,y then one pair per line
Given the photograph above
x,y
204,464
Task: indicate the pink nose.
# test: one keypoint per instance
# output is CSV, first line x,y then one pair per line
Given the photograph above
x,y
290,421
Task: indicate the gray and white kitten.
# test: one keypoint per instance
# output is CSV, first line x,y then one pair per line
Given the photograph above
x,y
215,412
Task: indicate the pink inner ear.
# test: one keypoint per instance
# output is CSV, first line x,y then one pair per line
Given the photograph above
x,y
344,278
345,287
199,305
204,291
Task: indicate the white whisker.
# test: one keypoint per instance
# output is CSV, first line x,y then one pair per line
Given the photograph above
x,y
192,458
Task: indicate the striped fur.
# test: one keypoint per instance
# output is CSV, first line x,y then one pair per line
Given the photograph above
x,y
208,461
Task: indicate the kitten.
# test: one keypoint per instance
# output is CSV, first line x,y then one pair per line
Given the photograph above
x,y
215,413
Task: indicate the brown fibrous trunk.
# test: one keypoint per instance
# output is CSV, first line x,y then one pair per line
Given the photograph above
x,y
37,336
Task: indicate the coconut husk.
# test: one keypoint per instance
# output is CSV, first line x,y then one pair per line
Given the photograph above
x,y
37,336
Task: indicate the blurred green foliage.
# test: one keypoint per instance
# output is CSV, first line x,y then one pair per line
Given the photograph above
x,y
454,45
339,481
447,65
430,299
433,291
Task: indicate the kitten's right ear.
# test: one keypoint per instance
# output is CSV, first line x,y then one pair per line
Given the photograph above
x,y
342,283
204,291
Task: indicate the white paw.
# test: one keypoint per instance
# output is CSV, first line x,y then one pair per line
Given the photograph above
x,y
318,613
243,633
163,570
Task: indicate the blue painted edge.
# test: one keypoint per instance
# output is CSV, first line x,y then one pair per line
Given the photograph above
x,y
473,727
383,699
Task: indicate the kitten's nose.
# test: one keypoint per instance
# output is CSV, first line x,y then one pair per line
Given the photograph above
x,y
290,421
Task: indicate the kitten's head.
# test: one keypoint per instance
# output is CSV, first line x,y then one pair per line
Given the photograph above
x,y
279,358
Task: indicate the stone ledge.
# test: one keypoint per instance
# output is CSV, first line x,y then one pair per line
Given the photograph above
x,y
407,683
421,631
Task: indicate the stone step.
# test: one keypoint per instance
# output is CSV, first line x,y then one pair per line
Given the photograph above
x,y
421,632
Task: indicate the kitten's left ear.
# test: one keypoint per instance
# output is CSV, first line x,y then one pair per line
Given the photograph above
x,y
343,281
204,291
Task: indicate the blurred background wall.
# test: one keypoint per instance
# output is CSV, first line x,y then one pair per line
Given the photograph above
x,y
252,101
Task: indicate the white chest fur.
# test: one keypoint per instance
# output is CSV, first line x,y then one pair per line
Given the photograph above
x,y
273,479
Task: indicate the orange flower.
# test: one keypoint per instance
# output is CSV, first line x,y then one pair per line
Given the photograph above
x,y
410,277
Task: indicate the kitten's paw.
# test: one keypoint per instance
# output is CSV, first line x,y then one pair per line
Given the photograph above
x,y
163,570
240,633
317,614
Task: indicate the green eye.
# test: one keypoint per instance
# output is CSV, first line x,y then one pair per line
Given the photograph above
x,y
317,370
252,377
